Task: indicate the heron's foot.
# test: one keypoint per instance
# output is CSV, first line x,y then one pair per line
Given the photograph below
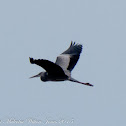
x,y
88,84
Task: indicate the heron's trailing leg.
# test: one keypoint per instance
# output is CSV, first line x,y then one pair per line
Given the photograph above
x,y
73,80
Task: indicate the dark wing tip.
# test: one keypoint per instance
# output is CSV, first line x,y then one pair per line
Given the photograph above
x,y
72,43
78,47
31,60
74,49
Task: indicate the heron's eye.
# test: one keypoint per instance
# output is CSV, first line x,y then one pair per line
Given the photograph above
x,y
46,74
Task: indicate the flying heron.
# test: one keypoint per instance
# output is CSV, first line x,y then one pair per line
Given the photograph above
x,y
61,69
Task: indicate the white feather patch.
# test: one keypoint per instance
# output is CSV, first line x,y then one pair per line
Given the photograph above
x,y
63,61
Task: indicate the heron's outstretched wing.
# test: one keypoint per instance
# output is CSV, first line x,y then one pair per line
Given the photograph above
x,y
49,66
68,59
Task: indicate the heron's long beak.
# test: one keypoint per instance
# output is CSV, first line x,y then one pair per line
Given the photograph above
x,y
38,75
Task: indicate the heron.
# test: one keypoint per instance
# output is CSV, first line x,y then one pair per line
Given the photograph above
x,y
62,68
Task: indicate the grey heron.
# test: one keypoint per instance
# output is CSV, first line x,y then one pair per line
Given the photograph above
x,y
61,69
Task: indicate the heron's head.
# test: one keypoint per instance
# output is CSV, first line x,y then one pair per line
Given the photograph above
x,y
42,75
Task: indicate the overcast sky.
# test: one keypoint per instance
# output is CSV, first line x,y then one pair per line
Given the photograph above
x,y
44,29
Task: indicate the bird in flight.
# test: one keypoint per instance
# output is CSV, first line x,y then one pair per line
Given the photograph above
x,y
61,69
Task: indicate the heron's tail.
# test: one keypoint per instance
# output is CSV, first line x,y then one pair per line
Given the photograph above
x,y
74,80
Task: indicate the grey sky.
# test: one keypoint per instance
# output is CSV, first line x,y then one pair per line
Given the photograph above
x,y
44,29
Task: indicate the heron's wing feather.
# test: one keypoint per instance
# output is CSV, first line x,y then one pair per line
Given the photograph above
x,y
63,61
49,66
68,59
74,49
